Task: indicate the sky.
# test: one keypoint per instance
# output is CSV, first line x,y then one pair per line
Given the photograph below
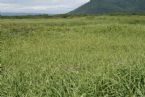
x,y
40,6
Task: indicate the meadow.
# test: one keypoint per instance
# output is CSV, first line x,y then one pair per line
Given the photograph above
x,y
86,56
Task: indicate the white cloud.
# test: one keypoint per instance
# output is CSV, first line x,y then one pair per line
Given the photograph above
x,y
45,6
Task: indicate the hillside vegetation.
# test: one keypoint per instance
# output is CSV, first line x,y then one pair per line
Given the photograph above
x,y
88,56
111,6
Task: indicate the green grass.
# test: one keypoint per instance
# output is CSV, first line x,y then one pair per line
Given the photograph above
x,y
90,56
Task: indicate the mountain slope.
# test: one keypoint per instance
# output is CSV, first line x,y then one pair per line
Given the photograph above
x,y
105,6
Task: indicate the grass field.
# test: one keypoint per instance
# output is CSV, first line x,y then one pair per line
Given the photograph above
x,y
90,56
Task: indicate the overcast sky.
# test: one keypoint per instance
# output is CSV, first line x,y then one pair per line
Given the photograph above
x,y
40,6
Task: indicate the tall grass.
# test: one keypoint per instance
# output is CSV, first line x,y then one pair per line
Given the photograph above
x,y
90,56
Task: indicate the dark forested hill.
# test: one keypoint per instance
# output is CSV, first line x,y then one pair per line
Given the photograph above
x,y
109,6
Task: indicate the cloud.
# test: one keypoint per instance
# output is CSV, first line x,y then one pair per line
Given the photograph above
x,y
40,6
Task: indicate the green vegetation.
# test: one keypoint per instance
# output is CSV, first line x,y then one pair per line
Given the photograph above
x,y
88,56
111,6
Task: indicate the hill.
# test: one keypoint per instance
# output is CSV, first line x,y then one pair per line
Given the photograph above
x,y
111,6
18,14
